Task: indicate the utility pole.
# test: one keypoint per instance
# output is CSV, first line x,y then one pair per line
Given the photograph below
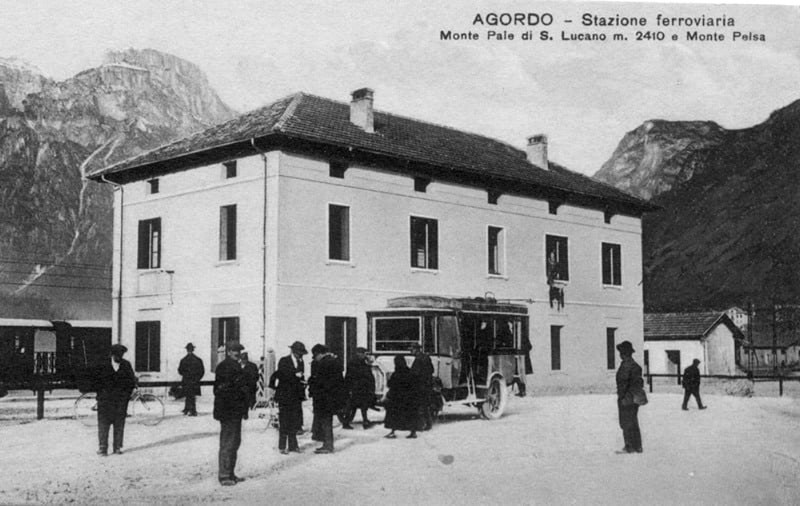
x,y
774,338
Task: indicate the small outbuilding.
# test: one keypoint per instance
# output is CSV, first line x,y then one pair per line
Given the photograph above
x,y
673,340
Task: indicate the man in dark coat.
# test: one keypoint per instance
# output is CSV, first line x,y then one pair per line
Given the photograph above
x,y
115,383
251,373
230,407
422,370
288,381
192,371
629,379
360,385
691,385
326,387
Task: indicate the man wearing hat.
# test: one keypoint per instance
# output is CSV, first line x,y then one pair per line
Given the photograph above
x,y
326,386
230,407
115,382
360,388
629,380
691,385
191,370
289,384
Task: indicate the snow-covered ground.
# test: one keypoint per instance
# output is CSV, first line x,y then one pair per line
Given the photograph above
x,y
545,450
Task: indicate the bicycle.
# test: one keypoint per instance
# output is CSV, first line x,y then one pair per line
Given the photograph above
x,y
144,408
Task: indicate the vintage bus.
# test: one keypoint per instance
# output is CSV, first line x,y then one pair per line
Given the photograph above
x,y
477,346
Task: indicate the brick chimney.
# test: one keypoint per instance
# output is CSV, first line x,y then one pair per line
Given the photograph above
x,y
537,150
361,110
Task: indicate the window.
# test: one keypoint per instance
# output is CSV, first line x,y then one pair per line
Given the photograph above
x,y
152,186
424,243
611,348
552,206
229,169
338,232
337,169
223,330
555,347
150,244
421,184
148,346
612,262
227,232
396,334
496,250
492,196
557,263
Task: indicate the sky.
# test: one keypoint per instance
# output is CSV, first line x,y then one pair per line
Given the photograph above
x,y
583,95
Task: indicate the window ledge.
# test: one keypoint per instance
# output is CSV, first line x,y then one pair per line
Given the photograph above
x,y
419,270
497,276
341,263
612,287
225,263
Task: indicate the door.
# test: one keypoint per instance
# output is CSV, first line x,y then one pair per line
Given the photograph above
x,y
340,337
674,363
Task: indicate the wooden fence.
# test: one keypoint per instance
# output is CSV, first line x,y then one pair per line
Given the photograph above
x,y
780,378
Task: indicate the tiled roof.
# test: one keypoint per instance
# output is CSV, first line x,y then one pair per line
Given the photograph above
x,y
680,326
310,118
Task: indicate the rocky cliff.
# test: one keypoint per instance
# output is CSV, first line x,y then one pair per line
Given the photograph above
x,y
727,233
660,154
55,227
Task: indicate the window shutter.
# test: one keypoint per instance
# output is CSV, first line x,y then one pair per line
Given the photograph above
x,y
618,265
231,233
141,346
214,342
144,246
606,254
155,347
563,260
433,244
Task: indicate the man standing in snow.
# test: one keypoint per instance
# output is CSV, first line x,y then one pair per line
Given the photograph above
x,y
691,385
251,374
115,382
629,380
191,370
230,407
326,387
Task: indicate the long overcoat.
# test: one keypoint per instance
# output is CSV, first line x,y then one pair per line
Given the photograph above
x,y
326,385
360,383
230,391
691,378
114,387
192,370
402,401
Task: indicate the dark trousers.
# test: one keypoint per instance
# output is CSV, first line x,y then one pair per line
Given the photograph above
x,y
290,420
230,437
690,392
322,429
111,413
190,404
629,423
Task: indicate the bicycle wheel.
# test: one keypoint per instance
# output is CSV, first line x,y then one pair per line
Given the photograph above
x,y
147,409
85,409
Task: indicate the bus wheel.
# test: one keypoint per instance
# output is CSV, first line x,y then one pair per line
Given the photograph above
x,y
496,398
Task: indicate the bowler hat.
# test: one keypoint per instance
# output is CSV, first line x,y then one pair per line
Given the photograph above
x,y
190,347
319,348
118,349
299,347
696,361
361,349
625,347
233,346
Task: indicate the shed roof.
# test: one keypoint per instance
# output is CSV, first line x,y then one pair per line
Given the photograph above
x,y
685,326
324,122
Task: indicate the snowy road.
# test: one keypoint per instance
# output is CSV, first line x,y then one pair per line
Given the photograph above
x,y
546,450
